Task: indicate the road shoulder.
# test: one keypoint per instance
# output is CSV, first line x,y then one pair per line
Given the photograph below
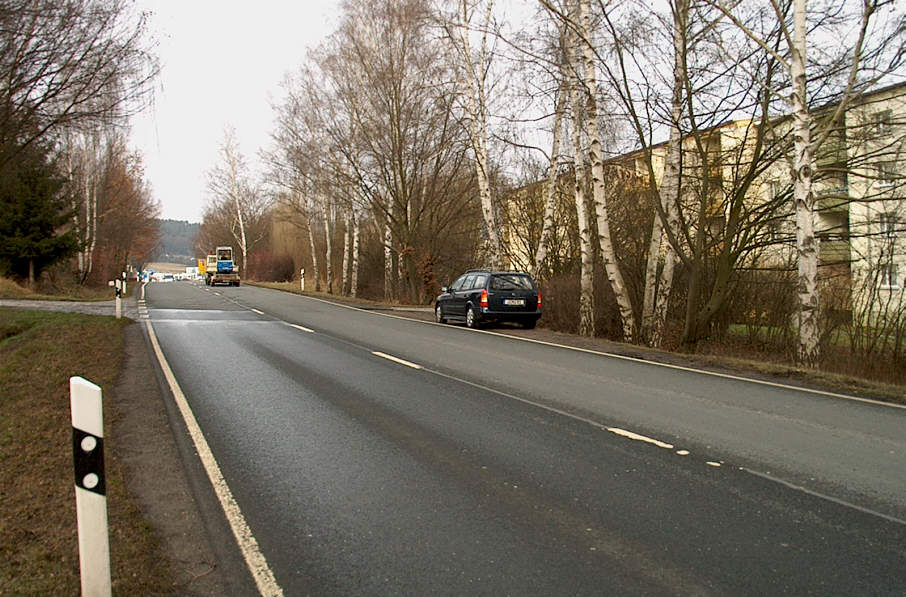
x,y
155,475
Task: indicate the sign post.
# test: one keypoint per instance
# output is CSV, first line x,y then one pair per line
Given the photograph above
x,y
302,278
90,486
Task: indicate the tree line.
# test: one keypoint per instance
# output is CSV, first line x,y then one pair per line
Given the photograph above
x,y
73,196
581,141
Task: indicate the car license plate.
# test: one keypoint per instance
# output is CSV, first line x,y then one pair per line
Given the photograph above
x,y
514,302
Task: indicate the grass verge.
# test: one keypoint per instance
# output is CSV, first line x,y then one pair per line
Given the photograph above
x,y
10,290
39,351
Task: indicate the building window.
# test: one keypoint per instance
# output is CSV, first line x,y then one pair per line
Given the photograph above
x,y
889,276
887,173
881,122
889,224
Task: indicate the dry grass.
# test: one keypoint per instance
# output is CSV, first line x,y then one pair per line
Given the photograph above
x,y
11,290
38,539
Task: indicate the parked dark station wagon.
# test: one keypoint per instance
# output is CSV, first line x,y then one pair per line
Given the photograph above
x,y
480,296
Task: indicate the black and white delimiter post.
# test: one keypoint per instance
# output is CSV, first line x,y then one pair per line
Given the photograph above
x,y
90,486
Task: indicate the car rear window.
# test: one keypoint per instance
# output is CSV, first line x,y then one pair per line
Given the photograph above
x,y
511,282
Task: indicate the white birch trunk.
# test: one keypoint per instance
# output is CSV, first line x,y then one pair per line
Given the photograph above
x,y
356,243
91,166
550,189
237,202
311,240
651,277
586,275
597,174
74,203
388,262
662,301
806,241
328,257
658,288
347,246
474,93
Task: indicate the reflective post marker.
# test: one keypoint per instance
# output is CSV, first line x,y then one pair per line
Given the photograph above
x,y
90,486
119,299
302,278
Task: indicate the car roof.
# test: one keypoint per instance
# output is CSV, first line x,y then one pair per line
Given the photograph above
x,y
495,272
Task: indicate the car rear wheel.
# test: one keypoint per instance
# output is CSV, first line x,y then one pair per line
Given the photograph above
x,y
471,318
439,314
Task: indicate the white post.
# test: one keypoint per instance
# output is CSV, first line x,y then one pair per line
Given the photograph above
x,y
119,298
302,278
90,486
124,282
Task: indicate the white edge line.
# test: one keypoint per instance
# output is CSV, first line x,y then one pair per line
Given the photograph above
x,y
254,559
640,438
630,434
825,497
302,328
396,360
633,359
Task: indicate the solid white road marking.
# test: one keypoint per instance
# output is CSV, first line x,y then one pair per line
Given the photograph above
x,y
299,327
396,360
640,438
629,358
248,545
824,496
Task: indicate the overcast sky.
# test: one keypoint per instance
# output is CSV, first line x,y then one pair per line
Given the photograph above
x,y
222,63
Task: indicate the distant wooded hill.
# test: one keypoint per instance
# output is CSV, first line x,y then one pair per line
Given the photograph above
x,y
177,241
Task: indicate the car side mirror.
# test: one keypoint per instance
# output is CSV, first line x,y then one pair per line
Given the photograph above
x,y
444,289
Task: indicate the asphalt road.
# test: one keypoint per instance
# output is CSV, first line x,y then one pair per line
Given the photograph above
x,y
373,455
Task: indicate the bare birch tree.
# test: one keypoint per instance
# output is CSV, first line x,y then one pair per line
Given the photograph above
x,y
810,132
658,288
472,70
235,199
586,250
608,255
553,174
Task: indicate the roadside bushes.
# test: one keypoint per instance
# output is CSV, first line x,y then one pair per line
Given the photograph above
x,y
268,267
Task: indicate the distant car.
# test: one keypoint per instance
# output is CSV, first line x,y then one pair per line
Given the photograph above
x,y
167,278
480,296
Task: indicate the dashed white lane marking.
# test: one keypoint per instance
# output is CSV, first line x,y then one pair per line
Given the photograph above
x,y
396,360
257,311
712,463
248,545
640,438
302,328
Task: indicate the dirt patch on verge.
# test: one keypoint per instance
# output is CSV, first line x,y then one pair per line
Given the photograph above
x,y
155,475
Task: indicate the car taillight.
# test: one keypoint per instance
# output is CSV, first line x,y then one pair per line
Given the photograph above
x,y
539,299
484,298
